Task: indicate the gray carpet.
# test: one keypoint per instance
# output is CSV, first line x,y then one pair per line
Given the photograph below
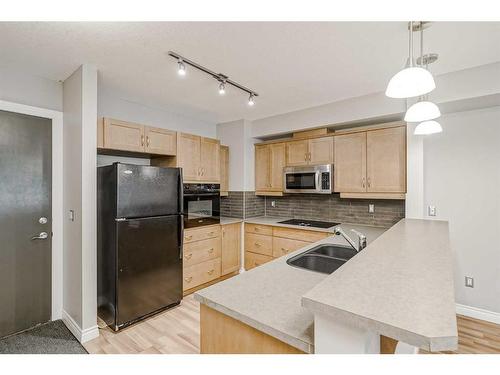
x,y
49,338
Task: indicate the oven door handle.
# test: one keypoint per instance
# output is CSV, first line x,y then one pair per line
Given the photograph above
x,y
202,194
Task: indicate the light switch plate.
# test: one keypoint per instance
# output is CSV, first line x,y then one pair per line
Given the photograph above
x,y
432,210
371,208
469,282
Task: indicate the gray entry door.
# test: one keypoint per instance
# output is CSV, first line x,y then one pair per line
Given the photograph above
x,y
25,215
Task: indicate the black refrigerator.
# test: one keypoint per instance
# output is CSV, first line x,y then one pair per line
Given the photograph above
x,y
139,241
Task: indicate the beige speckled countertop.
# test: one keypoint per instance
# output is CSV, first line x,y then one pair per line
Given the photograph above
x,y
229,220
400,286
268,297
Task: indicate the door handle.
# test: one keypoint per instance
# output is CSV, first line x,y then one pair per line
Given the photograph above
x,y
41,236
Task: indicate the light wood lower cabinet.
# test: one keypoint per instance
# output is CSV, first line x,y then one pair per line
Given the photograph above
x,y
231,248
283,246
210,253
201,273
253,260
264,243
201,251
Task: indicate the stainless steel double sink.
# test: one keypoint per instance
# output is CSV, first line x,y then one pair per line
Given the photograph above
x,y
325,258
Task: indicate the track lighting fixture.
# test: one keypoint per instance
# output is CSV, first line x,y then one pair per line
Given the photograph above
x,y
181,70
221,78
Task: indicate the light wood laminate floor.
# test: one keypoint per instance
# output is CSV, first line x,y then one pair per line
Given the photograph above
x,y
177,331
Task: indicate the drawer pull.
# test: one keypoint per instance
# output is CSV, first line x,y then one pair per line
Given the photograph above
x,y
211,250
189,256
256,229
257,244
210,272
210,233
284,250
188,279
187,238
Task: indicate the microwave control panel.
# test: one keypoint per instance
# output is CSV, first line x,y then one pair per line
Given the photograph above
x,y
325,181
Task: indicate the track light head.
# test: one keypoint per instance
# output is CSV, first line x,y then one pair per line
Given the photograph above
x,y
222,88
181,70
251,101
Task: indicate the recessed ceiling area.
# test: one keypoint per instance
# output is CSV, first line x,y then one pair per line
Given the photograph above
x,y
292,65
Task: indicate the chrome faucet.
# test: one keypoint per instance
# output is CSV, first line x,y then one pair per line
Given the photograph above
x,y
361,238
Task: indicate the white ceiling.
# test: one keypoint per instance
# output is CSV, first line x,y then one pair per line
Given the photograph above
x,y
291,65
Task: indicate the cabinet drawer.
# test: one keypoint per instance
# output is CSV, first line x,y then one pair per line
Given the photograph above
x,y
259,229
259,244
253,260
201,251
299,234
283,246
204,233
201,273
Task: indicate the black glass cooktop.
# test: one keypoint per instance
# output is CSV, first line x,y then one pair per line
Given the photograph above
x,y
309,223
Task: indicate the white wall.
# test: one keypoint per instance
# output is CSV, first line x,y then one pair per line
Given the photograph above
x,y
462,179
19,87
237,135
478,83
114,104
79,186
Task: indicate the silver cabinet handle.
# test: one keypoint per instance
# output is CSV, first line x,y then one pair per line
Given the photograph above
x,y
41,236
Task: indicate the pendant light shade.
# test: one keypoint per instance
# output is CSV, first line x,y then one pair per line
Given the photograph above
x,y
410,82
428,127
422,111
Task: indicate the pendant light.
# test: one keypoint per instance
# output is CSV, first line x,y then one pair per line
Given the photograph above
x,y
412,80
428,127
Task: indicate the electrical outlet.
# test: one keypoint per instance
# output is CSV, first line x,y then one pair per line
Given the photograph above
x,y
469,282
273,203
432,210
371,208
71,215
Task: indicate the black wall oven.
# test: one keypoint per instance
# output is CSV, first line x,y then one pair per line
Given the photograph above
x,y
201,205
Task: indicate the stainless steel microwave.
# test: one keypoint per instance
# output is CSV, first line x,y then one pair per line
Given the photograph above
x,y
315,179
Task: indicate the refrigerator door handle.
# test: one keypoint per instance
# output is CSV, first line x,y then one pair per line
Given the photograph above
x,y
181,234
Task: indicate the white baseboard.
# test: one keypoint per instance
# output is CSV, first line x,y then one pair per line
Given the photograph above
x,y
81,335
477,313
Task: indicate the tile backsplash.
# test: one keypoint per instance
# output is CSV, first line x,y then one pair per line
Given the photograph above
x,y
242,204
246,204
333,208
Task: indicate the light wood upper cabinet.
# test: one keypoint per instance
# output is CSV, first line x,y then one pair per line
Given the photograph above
x,y
188,156
160,141
209,160
269,163
122,135
386,160
309,151
321,150
126,136
224,170
297,153
262,162
371,162
231,248
199,158
350,163
277,151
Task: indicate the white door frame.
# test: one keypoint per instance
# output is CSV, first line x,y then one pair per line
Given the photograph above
x,y
57,195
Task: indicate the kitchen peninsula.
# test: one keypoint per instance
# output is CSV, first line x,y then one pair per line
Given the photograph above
x,y
400,288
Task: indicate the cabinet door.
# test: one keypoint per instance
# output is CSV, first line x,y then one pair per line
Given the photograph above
x,y
224,169
321,150
188,156
122,135
262,170
231,248
160,141
386,160
350,163
297,152
277,160
210,160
